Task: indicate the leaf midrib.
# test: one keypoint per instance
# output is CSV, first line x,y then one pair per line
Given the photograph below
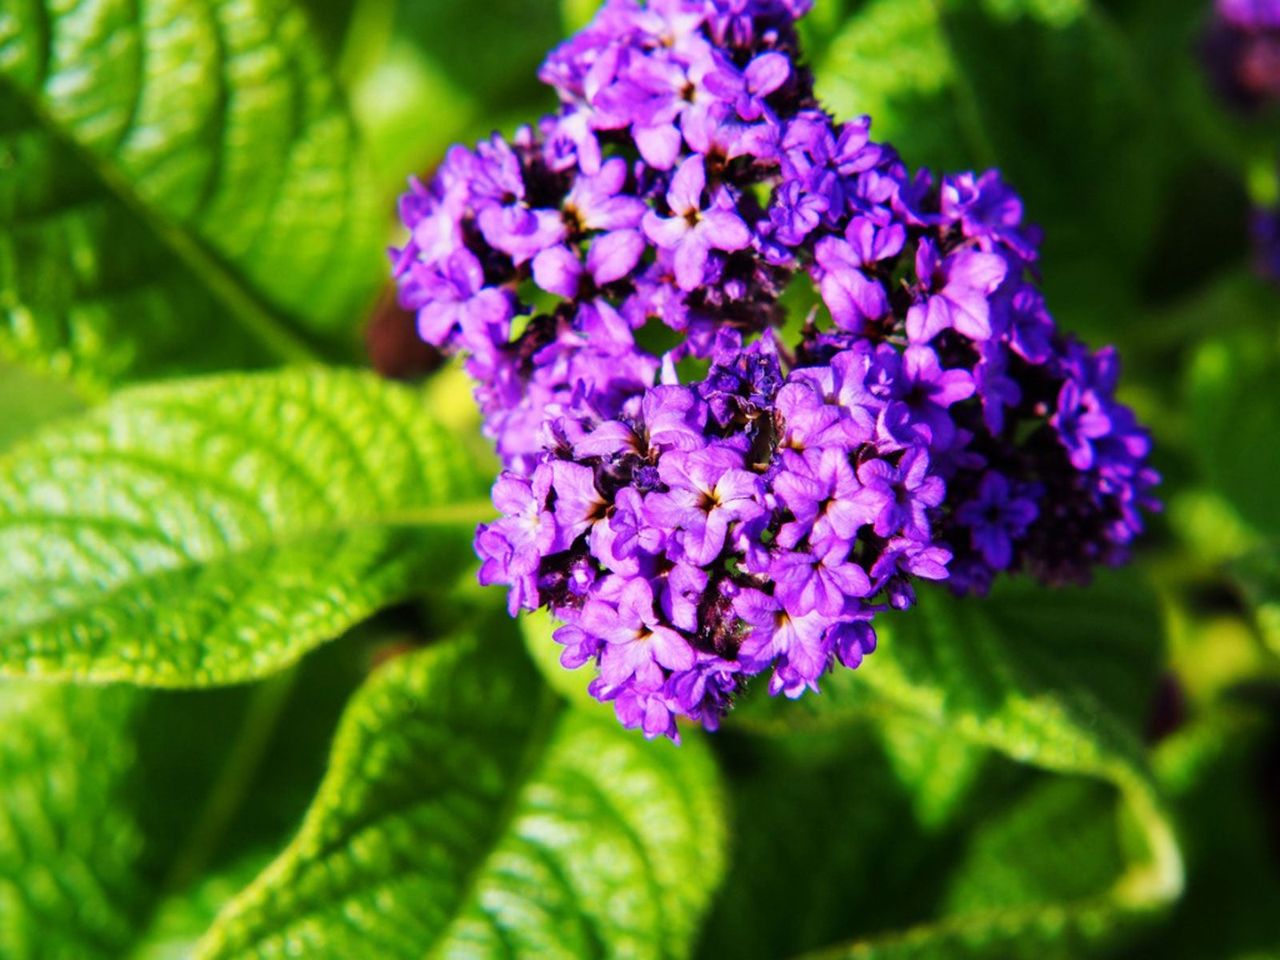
x,y
547,716
468,513
275,331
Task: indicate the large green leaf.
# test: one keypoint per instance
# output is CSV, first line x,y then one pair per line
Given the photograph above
x,y
177,176
113,799
1005,864
1226,813
68,852
466,814
962,84
1059,680
211,531
832,841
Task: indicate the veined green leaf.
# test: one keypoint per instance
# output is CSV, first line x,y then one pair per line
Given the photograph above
x,y
890,61
963,84
181,179
182,920
1055,679
68,853
831,842
466,814
215,530
1004,865
114,800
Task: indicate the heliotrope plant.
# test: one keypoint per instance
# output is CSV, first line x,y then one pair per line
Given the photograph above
x,y
700,488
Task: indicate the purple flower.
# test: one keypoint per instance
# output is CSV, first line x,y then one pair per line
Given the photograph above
x,y
1079,421
997,390
598,203
693,231
747,91
637,645
824,582
853,298
808,421
896,499
798,648
1241,52
519,232
854,641
648,710
453,302
955,293
927,391
715,130
513,546
704,692
796,212
820,490
996,518
578,503
708,490
1250,13
611,257
988,211
913,556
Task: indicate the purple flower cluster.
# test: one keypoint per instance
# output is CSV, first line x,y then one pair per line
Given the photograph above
x,y
697,496
1241,51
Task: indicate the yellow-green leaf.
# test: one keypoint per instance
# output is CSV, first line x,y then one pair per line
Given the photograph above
x,y
466,813
214,530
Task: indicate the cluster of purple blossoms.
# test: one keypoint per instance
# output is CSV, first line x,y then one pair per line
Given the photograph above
x,y
698,496
1241,52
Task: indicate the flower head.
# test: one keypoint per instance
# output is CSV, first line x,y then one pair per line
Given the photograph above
x,y
735,504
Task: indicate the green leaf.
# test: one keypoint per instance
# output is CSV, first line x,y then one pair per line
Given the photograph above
x,y
829,842
182,181
29,399
1059,680
181,921
1226,813
124,811
1005,865
901,62
1258,575
68,851
465,813
1232,398
492,49
424,74
956,84
891,61
939,772
215,530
